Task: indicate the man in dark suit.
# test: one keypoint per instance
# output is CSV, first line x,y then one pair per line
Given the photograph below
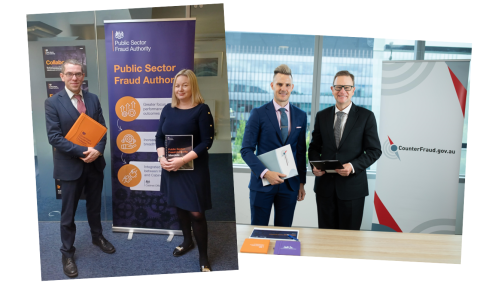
x,y
76,166
347,133
269,127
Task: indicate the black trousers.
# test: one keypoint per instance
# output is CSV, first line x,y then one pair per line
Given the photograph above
x,y
92,180
334,213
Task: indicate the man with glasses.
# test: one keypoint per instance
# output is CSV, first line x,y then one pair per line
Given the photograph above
x,y
77,167
347,133
271,126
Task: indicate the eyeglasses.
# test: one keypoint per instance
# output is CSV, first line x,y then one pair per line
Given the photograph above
x,y
70,75
346,87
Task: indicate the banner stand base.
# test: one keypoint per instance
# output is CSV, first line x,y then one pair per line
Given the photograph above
x,y
131,230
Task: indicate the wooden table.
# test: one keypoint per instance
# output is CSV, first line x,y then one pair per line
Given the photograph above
x,y
419,247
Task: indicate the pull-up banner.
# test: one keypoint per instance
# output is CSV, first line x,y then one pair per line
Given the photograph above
x,y
143,57
421,128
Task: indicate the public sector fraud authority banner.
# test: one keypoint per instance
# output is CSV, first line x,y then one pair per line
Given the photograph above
x,y
143,57
421,126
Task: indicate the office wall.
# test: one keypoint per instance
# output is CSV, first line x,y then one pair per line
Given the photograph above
x,y
215,92
48,206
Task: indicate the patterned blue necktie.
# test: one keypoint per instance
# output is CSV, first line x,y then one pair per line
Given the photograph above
x,y
284,124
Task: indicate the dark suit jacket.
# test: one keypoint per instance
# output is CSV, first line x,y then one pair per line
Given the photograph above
x,y
359,145
60,115
262,133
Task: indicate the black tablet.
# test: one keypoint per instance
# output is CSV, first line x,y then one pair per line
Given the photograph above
x,y
327,164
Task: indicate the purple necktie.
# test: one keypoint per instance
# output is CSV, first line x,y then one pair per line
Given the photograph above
x,y
80,105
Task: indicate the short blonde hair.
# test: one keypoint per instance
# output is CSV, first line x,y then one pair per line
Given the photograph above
x,y
283,69
192,79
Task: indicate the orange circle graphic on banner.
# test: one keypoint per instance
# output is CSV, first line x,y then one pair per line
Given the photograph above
x,y
128,141
129,175
127,108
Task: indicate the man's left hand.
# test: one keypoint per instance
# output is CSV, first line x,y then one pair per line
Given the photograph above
x,y
90,155
347,169
301,193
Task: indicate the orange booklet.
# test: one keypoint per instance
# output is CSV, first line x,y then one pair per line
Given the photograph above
x,y
253,245
86,131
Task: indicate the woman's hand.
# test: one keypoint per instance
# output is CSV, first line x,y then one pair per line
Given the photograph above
x,y
162,161
172,165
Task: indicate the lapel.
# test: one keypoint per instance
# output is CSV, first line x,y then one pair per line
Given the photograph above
x,y
352,118
67,104
293,123
273,119
330,120
88,103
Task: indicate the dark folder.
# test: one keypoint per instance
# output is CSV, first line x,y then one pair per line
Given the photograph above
x,y
327,164
177,146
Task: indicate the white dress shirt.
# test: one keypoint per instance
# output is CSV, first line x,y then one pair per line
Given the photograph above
x,y
73,99
344,118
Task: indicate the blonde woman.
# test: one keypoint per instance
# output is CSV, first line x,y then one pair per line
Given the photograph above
x,y
188,191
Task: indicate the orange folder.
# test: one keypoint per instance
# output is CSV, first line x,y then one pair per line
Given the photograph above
x,y
86,131
253,245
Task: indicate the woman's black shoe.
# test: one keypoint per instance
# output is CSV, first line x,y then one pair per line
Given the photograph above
x,y
206,268
180,250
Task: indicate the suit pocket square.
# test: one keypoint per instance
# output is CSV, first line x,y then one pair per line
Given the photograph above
x,y
298,127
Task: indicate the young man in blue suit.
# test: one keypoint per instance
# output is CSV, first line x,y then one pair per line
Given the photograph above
x,y
269,127
77,167
347,133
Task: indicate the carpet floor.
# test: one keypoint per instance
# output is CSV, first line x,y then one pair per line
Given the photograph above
x,y
145,254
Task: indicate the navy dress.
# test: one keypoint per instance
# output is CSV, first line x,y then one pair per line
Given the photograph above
x,y
188,190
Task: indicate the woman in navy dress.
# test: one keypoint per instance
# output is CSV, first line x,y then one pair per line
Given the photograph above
x,y
187,190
